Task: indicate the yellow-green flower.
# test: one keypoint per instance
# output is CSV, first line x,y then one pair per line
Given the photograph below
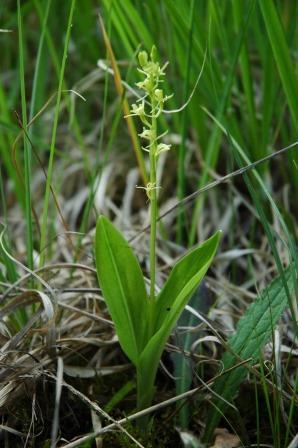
x,y
162,147
147,134
138,109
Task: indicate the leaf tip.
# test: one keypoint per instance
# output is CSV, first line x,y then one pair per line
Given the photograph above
x,y
101,219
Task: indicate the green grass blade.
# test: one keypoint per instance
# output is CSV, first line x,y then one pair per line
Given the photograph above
x,y
119,396
27,149
135,26
11,272
6,143
238,10
282,56
291,411
36,86
184,365
182,150
285,65
214,142
44,218
290,242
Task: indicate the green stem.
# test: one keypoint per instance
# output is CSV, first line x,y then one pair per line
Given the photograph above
x,y
153,202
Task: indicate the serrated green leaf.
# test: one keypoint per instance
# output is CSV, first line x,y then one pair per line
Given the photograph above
x,y
253,331
183,280
121,280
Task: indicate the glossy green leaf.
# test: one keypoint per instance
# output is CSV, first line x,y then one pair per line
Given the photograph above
x,y
183,280
121,280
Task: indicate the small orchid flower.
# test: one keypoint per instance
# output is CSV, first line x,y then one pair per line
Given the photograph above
x,y
162,147
147,134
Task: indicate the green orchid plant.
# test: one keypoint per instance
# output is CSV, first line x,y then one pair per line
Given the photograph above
x,y
143,319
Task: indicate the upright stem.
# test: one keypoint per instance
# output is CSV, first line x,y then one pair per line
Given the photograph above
x,y
153,202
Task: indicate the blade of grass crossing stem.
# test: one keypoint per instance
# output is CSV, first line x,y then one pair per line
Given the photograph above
x,y
27,149
183,129
214,142
53,140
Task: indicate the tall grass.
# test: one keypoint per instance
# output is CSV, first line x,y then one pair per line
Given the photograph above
x,y
44,218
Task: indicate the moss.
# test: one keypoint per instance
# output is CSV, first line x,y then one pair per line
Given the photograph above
x,y
160,435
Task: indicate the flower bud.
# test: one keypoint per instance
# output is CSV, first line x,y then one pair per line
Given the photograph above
x,y
143,58
153,54
158,93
